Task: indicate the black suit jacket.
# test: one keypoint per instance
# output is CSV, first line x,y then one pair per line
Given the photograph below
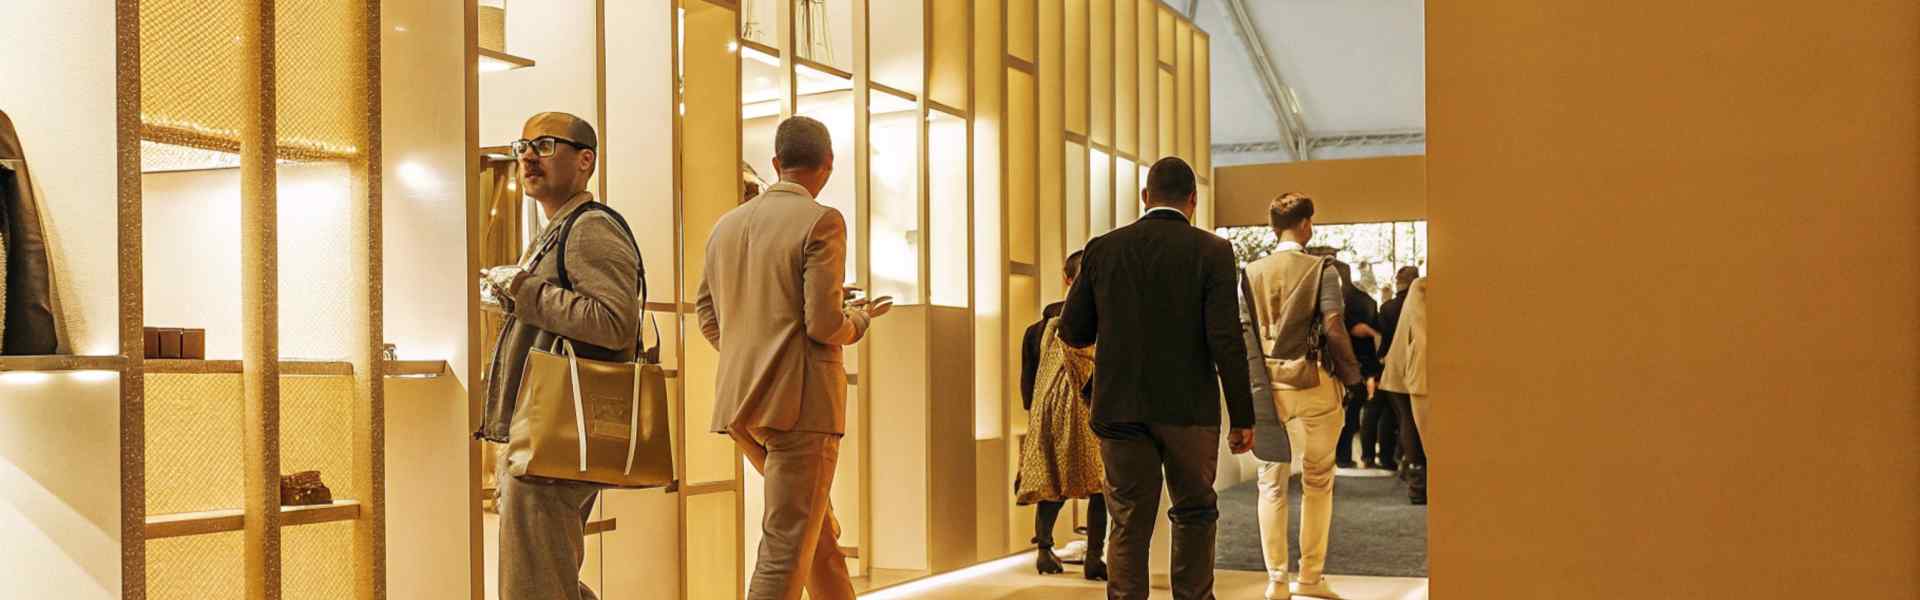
x,y
1161,299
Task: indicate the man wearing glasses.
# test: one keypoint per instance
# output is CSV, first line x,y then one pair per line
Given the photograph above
x,y
581,280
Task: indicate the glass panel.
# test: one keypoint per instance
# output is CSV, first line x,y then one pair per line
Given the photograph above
x,y
1100,198
1166,34
894,195
710,167
829,98
1183,65
823,32
758,19
947,208
896,43
1126,192
1147,78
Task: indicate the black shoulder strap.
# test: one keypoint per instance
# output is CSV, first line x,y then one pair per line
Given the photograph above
x,y
650,354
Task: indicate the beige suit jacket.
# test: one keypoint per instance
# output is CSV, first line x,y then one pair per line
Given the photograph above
x,y
1407,361
771,302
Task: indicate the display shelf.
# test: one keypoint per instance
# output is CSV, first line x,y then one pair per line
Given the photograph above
x,y
287,367
233,519
48,362
494,61
415,369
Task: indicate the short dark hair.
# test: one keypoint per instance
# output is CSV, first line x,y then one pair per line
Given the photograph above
x,y
1170,181
802,143
1406,275
1289,210
1072,268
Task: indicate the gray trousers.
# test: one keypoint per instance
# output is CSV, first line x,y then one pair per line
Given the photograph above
x,y
1189,456
543,537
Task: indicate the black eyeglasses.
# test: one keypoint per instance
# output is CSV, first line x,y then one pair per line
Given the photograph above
x,y
544,146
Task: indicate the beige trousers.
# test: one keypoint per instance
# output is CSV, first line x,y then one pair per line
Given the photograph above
x,y
801,546
1316,415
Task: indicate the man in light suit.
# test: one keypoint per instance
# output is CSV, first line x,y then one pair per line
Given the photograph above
x,y
771,302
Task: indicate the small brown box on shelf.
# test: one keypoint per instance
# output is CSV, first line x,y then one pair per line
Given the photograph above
x,y
169,343
152,335
193,344
304,489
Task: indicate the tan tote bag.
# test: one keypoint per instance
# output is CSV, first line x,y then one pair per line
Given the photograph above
x,y
591,421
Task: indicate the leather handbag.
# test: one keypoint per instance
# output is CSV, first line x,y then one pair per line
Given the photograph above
x,y
591,421
1303,372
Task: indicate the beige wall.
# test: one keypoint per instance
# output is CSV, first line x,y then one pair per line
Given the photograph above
x,y
1677,251
1358,190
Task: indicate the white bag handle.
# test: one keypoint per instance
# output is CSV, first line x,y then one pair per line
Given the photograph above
x,y
579,408
633,432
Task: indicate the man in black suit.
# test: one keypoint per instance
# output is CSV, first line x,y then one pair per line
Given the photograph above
x,y
1160,297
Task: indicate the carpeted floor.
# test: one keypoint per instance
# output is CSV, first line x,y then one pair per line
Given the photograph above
x,y
1375,531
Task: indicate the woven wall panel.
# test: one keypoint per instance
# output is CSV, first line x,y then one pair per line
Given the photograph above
x,y
189,72
317,561
200,567
319,75
316,430
191,95
194,459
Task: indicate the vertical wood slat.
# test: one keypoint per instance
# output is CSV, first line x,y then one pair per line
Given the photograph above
x,y
476,528
863,208
133,414
259,283
369,409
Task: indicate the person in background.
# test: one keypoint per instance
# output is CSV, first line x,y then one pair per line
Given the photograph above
x,y
771,302
1404,382
589,289
1060,459
1362,418
1289,293
1158,296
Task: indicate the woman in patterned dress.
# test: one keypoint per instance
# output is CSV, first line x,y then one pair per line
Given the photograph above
x,y
1059,458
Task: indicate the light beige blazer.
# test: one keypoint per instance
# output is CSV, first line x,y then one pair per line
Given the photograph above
x,y
1407,362
771,302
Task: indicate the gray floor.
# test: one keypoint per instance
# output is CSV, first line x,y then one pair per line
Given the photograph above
x,y
1375,530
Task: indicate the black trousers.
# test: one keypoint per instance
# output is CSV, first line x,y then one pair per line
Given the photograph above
x,y
1410,444
1189,456
1353,400
1380,431
1047,512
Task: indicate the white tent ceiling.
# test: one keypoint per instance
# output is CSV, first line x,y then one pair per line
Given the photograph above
x,y
1355,69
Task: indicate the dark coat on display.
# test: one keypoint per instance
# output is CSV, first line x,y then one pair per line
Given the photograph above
x,y
1159,296
29,317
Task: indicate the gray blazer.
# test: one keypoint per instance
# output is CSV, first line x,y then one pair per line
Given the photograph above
x,y
598,306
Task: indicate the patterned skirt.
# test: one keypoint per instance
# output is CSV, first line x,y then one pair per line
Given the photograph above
x,y
1060,458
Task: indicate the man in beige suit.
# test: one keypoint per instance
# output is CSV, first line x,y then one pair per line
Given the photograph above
x,y
771,301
